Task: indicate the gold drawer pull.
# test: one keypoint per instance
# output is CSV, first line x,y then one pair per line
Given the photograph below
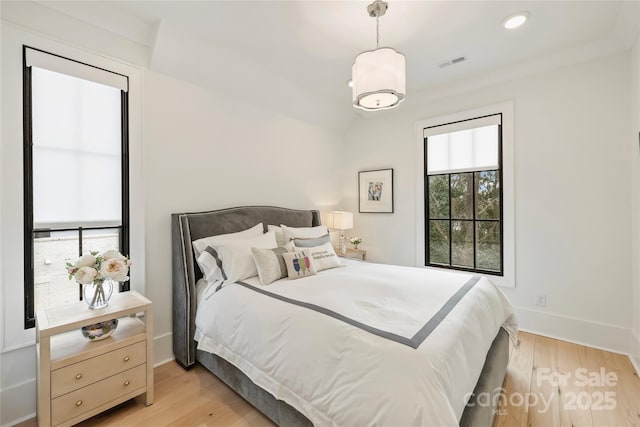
x,y
78,376
79,402
126,383
126,358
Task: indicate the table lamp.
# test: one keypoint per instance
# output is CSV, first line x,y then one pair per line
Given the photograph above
x,y
339,220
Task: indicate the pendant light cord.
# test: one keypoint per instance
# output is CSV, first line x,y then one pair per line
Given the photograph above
x,y
377,9
377,31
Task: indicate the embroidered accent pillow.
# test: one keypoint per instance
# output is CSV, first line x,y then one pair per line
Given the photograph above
x,y
299,264
270,264
324,256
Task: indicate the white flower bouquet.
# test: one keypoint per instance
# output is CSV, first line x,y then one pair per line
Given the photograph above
x,y
96,273
355,241
95,268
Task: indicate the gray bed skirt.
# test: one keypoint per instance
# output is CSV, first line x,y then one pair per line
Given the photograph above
x,y
283,414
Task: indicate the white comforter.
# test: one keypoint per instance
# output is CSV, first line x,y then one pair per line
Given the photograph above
x,y
337,374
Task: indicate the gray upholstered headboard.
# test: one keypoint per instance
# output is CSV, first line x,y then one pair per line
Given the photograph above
x,y
187,227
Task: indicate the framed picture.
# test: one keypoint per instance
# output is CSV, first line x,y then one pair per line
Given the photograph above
x,y
375,191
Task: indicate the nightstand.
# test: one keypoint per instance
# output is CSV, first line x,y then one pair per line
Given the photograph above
x,y
77,378
358,254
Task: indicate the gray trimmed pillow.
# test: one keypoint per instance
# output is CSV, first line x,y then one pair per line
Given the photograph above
x,y
232,261
299,264
201,244
270,264
310,243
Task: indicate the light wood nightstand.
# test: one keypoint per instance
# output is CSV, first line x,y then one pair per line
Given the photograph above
x,y
77,378
358,254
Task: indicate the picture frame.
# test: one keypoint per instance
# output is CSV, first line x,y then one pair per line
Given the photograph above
x,y
375,191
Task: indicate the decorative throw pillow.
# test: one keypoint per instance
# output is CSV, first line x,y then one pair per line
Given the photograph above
x,y
299,264
233,261
290,233
270,264
201,244
324,256
309,243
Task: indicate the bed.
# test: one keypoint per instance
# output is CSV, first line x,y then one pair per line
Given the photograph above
x,y
280,402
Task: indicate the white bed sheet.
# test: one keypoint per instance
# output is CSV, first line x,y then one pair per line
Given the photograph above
x,y
337,374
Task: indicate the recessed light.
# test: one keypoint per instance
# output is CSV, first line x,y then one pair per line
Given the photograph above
x,y
350,83
516,20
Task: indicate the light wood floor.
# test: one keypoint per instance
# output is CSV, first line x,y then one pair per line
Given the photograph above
x,y
197,398
535,371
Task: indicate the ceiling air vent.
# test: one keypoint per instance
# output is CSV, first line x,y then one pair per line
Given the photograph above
x,y
453,61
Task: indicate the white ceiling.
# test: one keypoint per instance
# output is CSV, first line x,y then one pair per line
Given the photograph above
x,y
311,44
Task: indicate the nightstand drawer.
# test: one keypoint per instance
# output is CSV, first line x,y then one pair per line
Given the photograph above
x,y
89,371
87,398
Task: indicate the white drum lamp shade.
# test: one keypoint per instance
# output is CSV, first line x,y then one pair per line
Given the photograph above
x,y
339,220
379,80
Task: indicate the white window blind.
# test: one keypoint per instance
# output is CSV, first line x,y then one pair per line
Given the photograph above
x,y
77,149
47,61
463,146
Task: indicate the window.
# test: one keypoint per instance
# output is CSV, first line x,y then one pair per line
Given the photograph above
x,y
76,172
463,195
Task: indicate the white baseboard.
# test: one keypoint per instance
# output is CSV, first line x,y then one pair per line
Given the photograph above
x,y
634,354
18,403
163,349
20,420
580,331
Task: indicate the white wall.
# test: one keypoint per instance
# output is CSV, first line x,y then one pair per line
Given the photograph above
x,y
204,151
200,150
572,184
635,196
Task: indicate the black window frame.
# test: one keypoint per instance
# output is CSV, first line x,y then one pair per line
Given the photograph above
x,y
427,218
30,233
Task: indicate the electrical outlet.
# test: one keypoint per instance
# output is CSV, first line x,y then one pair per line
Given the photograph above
x,y
541,300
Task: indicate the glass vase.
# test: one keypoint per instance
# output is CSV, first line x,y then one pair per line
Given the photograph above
x,y
97,294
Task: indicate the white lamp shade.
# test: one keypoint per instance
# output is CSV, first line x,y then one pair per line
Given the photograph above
x,y
379,79
339,220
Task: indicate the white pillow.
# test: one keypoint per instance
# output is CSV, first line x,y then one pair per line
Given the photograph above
x,y
279,236
234,258
290,233
201,244
324,256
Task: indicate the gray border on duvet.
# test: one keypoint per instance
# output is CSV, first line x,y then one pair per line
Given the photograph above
x,y
413,342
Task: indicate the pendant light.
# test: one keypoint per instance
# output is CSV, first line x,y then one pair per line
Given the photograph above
x,y
378,76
